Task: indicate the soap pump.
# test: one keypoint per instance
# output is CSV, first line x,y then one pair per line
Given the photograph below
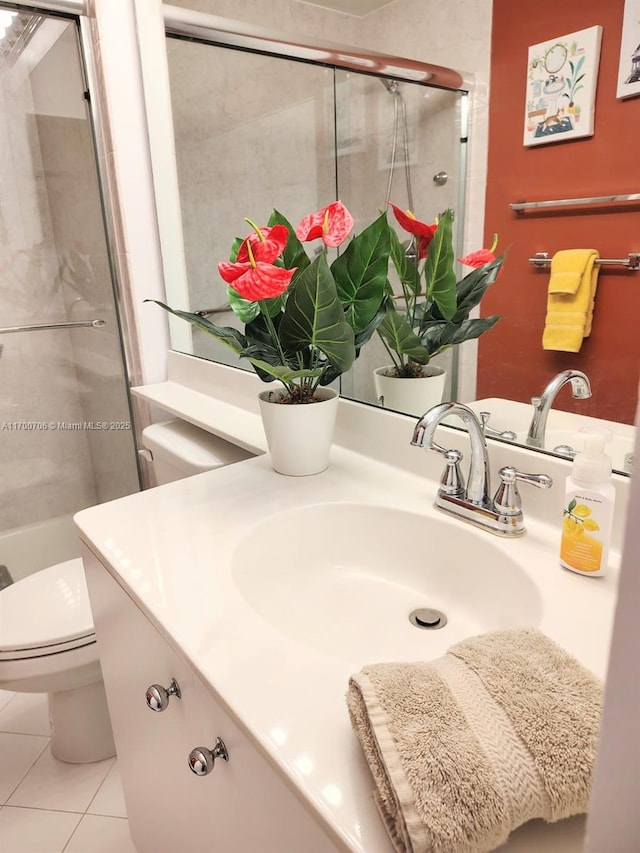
x,y
588,509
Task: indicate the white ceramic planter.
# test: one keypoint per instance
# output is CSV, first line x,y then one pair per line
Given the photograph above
x,y
413,396
299,436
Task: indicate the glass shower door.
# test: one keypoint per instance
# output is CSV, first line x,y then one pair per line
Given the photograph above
x,y
66,436
398,142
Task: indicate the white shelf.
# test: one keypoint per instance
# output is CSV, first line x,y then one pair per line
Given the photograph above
x,y
234,423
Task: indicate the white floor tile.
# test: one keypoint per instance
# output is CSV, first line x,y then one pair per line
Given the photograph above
x,y
27,714
34,831
53,784
110,798
5,696
96,834
18,754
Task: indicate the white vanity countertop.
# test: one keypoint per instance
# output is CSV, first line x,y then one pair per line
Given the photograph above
x,y
172,549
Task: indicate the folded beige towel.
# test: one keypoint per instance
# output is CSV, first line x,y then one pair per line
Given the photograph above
x,y
466,748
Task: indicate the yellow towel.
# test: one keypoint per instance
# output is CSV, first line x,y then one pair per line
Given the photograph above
x,y
572,291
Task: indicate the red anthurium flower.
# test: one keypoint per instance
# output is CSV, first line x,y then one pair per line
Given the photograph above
x,y
267,244
262,281
255,280
332,224
481,256
414,226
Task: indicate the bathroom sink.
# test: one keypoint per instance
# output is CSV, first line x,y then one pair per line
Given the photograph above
x,y
343,579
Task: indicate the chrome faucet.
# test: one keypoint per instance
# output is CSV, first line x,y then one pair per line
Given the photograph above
x,y
580,390
501,514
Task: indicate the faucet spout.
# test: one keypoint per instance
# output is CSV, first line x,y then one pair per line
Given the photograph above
x,y
478,487
580,389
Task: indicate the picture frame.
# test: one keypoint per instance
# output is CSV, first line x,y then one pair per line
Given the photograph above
x,y
562,75
629,65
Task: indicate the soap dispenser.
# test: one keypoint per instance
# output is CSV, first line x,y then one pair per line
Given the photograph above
x,y
588,509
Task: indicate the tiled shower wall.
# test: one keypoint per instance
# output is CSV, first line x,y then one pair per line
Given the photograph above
x,y
54,269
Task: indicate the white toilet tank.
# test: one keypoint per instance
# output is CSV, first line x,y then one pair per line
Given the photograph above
x,y
180,449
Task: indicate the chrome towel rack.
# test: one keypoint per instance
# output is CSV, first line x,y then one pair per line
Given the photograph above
x,y
94,324
632,262
521,206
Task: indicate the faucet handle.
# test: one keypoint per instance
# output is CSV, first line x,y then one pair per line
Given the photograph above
x,y
507,499
452,481
490,432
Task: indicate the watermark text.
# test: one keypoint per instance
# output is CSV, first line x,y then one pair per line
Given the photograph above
x,y
62,426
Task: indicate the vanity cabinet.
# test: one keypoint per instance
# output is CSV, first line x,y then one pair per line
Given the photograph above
x,y
241,806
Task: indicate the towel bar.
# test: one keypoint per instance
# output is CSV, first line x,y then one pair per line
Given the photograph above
x,y
92,324
521,206
632,262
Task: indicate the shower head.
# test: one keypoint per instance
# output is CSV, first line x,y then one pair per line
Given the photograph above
x,y
390,85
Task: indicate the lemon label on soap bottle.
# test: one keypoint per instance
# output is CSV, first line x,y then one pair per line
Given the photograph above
x,y
581,546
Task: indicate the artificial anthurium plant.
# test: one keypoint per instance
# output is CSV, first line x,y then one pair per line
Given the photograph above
x,y
431,313
305,320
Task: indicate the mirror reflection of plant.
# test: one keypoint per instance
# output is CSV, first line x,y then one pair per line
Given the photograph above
x,y
431,314
304,320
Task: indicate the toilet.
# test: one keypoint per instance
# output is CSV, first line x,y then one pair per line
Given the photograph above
x,y
47,640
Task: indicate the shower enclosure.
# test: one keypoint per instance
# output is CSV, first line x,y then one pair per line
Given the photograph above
x,y
254,131
66,436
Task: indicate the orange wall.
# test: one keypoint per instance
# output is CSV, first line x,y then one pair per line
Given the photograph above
x,y
512,362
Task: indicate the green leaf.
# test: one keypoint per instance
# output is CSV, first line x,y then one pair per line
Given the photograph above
x,y
285,374
473,286
399,336
367,333
572,504
440,335
440,278
407,270
314,317
227,334
294,254
360,274
244,309
235,248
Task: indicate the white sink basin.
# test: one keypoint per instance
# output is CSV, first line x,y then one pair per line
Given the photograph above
x,y
343,579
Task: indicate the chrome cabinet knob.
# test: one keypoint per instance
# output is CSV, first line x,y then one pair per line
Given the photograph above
x,y
158,697
202,760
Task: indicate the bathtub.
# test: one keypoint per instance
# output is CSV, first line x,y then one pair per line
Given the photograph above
x,y
24,550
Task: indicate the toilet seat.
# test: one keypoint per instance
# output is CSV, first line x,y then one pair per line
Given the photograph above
x,y
46,613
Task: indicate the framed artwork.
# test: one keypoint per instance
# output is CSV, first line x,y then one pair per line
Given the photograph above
x,y
561,87
629,68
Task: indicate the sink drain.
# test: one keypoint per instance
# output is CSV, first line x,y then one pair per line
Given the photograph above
x,y
425,617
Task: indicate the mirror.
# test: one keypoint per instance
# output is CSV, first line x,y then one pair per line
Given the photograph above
x,y
309,134
301,135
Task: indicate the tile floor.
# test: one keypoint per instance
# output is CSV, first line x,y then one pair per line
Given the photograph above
x,y
47,806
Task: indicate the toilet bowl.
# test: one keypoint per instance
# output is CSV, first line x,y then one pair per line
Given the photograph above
x,y
47,644
47,640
